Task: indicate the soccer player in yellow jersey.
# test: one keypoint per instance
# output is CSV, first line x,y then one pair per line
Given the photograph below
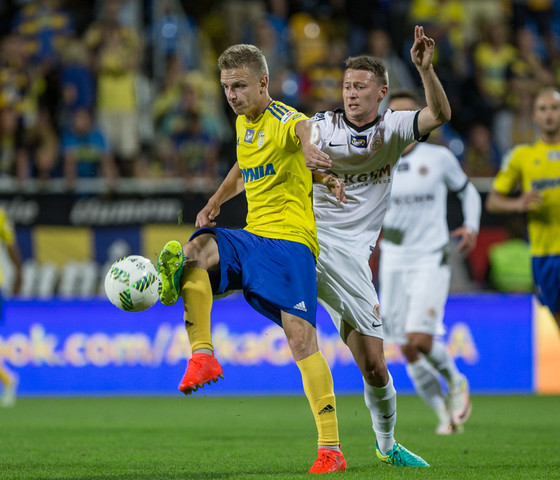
x,y
536,169
273,258
8,379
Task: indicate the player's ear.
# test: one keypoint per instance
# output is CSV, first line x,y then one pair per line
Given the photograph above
x,y
263,84
383,91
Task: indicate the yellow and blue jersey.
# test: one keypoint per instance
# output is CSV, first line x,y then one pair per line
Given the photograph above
x,y
6,233
536,167
277,183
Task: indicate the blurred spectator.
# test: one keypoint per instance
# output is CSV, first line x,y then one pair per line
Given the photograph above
x,y
309,40
185,146
77,80
527,72
16,85
444,21
325,80
45,25
491,58
380,46
13,157
242,18
516,125
117,53
174,34
42,148
510,260
85,151
362,15
539,13
481,157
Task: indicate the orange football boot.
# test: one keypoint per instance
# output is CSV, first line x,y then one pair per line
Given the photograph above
x,y
201,370
328,461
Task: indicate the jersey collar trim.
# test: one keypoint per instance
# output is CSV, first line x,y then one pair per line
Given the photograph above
x,y
355,127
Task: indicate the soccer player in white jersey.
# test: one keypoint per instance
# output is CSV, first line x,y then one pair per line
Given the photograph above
x,y
415,271
360,148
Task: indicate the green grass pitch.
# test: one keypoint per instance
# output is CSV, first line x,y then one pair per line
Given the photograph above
x,y
507,437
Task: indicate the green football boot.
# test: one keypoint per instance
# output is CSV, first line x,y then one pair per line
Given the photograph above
x,y
400,457
170,268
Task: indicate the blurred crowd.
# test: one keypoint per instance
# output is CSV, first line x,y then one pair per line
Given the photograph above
x,y
129,88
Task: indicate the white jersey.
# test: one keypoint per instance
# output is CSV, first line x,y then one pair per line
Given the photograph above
x,y
416,223
364,158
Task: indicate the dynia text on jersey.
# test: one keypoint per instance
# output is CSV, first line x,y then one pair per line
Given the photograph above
x,y
252,174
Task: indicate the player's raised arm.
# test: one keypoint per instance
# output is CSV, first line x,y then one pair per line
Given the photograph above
x,y
230,187
309,135
438,110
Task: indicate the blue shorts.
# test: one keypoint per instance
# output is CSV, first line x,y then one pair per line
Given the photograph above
x,y
275,275
546,273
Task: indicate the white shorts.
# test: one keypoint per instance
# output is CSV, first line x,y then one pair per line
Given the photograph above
x,y
413,299
346,291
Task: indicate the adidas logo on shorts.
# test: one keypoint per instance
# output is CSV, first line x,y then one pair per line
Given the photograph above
x,y
300,306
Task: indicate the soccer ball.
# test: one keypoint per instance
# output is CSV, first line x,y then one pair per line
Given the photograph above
x,y
132,284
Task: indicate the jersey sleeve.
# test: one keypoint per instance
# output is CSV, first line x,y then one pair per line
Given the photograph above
x,y
509,175
287,137
404,125
454,176
324,121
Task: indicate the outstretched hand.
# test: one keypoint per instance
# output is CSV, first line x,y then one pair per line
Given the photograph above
x,y
315,159
422,51
336,187
467,238
206,216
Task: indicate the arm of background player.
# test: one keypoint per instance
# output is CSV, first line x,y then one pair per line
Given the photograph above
x,y
472,207
230,187
497,202
309,135
438,110
15,256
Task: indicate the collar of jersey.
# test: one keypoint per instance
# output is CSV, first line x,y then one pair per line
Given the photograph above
x,y
355,127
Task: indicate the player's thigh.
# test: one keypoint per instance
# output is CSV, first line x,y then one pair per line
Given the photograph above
x,y
345,289
202,252
429,288
394,300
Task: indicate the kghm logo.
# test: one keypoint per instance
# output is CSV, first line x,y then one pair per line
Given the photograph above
x,y
252,174
120,275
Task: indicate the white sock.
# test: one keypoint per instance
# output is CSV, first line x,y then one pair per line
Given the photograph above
x,y
443,362
427,384
382,404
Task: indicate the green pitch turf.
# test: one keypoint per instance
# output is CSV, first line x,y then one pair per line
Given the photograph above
x,y
516,437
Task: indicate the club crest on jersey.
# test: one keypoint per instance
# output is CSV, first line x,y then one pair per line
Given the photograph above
x,y
423,170
376,144
554,155
376,311
358,141
249,135
260,139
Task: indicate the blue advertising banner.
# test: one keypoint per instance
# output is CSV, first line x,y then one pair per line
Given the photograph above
x,y
90,347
